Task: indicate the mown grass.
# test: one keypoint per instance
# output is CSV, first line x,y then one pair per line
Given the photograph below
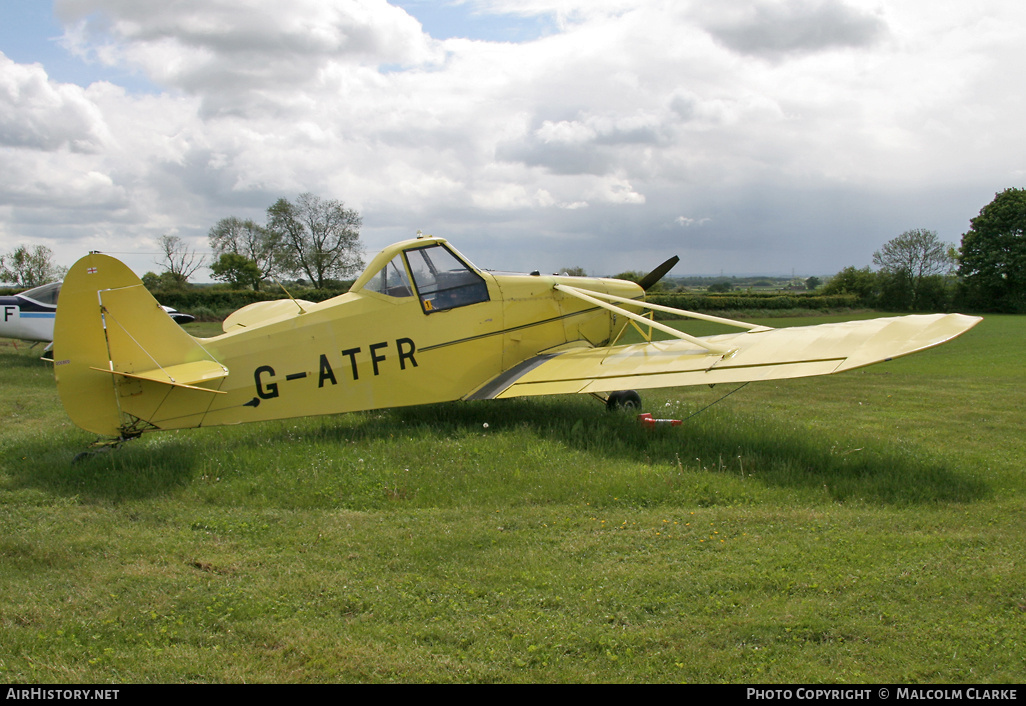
x,y
864,527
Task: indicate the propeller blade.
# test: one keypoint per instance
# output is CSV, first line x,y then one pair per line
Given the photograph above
x,y
658,273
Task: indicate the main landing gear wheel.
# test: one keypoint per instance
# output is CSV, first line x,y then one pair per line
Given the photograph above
x,y
625,400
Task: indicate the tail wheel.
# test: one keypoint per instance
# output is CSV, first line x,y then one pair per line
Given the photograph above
x,y
625,400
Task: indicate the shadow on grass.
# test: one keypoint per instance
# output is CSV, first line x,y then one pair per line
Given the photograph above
x,y
112,475
719,457
724,443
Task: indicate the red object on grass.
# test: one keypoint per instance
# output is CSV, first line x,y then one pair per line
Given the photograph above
x,y
646,418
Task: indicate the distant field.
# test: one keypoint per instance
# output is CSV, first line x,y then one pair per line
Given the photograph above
x,y
865,527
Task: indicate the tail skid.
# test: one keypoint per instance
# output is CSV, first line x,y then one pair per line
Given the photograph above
x,y
122,364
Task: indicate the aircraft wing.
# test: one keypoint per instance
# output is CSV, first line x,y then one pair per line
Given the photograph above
x,y
758,354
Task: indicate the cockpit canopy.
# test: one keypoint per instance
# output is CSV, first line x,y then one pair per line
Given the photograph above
x,y
432,272
45,294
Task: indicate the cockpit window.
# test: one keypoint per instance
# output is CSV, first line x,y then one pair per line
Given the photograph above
x,y
46,294
443,281
392,280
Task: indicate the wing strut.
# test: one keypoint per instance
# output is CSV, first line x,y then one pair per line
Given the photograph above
x,y
670,310
595,298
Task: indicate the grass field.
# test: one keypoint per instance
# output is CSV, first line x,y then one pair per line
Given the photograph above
x,y
865,527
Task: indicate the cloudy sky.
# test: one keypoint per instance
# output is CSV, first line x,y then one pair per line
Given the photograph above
x,y
747,136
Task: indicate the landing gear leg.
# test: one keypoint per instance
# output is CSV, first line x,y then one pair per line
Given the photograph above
x,y
103,446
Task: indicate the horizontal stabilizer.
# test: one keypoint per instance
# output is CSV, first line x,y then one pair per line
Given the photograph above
x,y
187,375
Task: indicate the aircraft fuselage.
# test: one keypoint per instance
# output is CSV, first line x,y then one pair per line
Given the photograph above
x,y
29,315
421,325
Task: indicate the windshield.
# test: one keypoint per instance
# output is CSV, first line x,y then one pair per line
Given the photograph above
x,y
443,281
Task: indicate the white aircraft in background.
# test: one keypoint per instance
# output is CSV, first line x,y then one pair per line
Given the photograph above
x,y
30,314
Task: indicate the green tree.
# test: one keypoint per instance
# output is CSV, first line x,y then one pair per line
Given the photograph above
x,y
720,287
237,270
812,282
25,267
992,259
863,283
913,262
164,282
320,239
253,242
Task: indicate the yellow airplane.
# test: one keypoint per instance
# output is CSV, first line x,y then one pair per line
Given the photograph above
x,y
420,325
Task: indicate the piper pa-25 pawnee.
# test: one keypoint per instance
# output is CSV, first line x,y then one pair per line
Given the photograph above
x,y
420,325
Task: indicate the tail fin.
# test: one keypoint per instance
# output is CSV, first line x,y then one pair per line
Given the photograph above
x,y
122,364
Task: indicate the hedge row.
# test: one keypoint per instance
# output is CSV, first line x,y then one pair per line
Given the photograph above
x,y
738,302
221,299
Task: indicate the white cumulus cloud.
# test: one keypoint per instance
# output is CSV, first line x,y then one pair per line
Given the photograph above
x,y
816,127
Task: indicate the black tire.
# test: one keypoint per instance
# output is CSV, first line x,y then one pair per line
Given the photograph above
x,y
624,400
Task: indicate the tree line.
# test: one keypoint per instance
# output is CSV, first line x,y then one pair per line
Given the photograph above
x,y
917,272
319,241
312,239
26,267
